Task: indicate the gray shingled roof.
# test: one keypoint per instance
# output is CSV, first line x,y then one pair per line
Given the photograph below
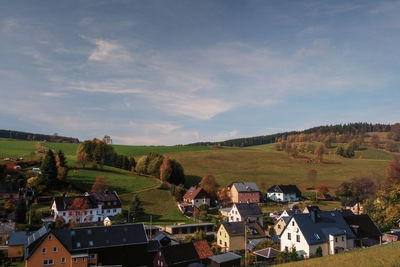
x,y
246,187
286,189
248,209
226,257
327,222
18,238
78,239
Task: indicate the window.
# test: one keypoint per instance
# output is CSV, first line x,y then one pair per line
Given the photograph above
x,y
43,250
91,212
226,245
336,239
220,242
286,249
115,210
279,226
75,260
298,238
64,213
342,238
292,223
55,249
48,262
78,244
92,256
91,243
62,260
289,236
49,237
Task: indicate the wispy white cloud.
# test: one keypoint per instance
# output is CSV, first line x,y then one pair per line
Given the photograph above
x,y
108,51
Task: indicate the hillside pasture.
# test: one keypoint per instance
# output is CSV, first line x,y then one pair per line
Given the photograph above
x,y
120,182
14,148
265,166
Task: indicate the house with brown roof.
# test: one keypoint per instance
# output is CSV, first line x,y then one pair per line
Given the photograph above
x,y
196,196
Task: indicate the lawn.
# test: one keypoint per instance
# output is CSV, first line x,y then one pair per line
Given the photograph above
x,y
120,182
385,255
159,203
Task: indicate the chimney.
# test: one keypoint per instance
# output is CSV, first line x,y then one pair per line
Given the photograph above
x,y
314,215
355,228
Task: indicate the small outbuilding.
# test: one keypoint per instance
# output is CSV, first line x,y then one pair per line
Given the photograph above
x,y
228,259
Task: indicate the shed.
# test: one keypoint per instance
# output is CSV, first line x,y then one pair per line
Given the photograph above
x,y
228,259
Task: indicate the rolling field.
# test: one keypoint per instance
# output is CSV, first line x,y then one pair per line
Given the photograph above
x,y
120,182
156,202
385,255
262,164
12,148
135,151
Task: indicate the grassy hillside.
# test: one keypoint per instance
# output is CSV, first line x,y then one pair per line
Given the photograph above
x,y
385,255
262,164
120,182
156,202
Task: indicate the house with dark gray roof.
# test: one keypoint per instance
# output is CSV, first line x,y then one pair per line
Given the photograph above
x,y
228,259
183,254
244,192
88,246
284,193
249,212
91,207
366,232
230,235
325,231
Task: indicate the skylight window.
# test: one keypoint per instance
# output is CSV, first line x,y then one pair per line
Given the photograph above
x,y
91,243
89,231
78,244
317,236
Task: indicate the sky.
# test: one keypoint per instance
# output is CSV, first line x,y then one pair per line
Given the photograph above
x,y
176,72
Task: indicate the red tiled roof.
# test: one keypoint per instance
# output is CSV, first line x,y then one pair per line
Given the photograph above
x,y
192,192
203,249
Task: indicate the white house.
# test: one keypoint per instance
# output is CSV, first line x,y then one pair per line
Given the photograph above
x,y
92,207
249,212
324,231
284,193
196,196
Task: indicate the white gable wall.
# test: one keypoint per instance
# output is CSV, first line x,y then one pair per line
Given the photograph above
x,y
302,247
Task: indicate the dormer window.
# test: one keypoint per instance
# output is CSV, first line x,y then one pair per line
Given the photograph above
x,y
292,223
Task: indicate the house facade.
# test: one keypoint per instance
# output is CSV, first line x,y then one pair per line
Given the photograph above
x,y
284,193
326,231
231,235
88,246
92,207
249,212
244,192
196,196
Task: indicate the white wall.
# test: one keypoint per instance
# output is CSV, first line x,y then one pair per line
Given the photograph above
x,y
302,247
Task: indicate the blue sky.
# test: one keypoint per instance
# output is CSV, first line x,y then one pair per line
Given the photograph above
x,y
175,72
